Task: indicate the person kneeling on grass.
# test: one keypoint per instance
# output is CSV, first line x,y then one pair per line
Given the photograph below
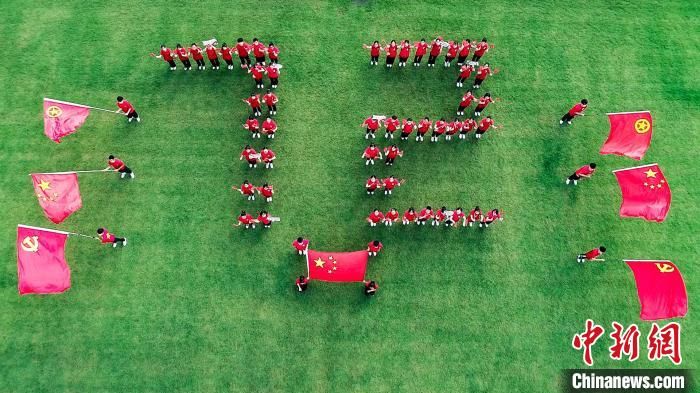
x,y
302,283
391,217
374,247
591,255
107,238
409,216
370,288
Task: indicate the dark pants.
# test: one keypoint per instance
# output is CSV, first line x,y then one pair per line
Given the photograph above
x,y
273,61
390,60
172,63
256,110
229,62
133,115
272,108
389,161
449,59
403,59
418,59
245,60
125,169
574,177
214,62
200,63
567,117
461,80
478,82
374,59
461,60
274,81
260,59
431,59
404,135
258,82
119,240
186,63
476,57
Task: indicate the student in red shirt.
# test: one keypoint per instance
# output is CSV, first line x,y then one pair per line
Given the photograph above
x,y
273,53
268,157
258,51
423,128
371,125
254,102
407,128
108,238
452,128
266,191
465,102
246,189
576,110
269,128
404,52
127,109
390,183
592,255
370,153
490,217
250,155
585,171
253,126
484,126
409,216
391,152
481,49
435,49
374,50
391,124
301,245
242,49
184,56
265,219
227,55
451,53
257,73
439,216
372,184
273,72
464,49
465,72
438,129
302,283
167,55
421,49
196,53
374,247
474,216
118,165
213,56
245,219
391,217
484,71
375,218
484,101
271,101
454,219
425,215
467,125
371,288
391,51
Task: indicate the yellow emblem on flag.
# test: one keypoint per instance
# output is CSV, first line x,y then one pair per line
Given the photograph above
x,y
30,243
642,126
665,267
54,111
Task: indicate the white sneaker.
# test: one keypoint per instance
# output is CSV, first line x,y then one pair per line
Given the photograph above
x,y
568,122
568,181
138,120
124,244
130,119
114,245
561,121
122,175
132,175
575,183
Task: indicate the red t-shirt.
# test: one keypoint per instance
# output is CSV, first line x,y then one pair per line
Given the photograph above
x,y
253,101
408,126
106,237
457,215
266,191
258,49
247,189
392,215
227,53
593,254
483,72
301,246
196,53
376,217
182,53
424,126
270,126
258,72
409,215
466,100
452,50
439,215
421,48
270,99
273,52
371,152
405,50
481,48
454,127
167,54
390,183
374,50
435,48
267,155
304,281
492,216
211,52
474,216
251,124
264,219
391,50
578,108
371,123
392,152
245,220
425,214
273,72
372,248
485,124
466,71
125,106
247,153
116,163
242,49
372,184
464,48
484,102
585,170
468,125
391,124
440,127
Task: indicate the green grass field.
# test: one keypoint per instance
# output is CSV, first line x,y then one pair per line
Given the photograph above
x,y
194,305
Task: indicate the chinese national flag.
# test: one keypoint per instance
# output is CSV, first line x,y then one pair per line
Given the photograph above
x,y
660,288
630,134
337,266
41,262
645,192
63,118
58,194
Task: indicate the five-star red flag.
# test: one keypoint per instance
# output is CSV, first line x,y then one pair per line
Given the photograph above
x,y
58,194
630,134
337,266
41,261
660,288
63,118
645,192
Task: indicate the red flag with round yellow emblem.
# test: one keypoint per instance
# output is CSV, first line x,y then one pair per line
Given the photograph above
x,y
661,289
630,134
58,194
337,266
63,118
645,192
41,261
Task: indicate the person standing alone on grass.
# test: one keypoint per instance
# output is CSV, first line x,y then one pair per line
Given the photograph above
x,y
119,166
591,255
576,110
127,109
585,171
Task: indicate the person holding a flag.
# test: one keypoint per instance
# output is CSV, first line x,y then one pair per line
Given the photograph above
x,y
302,283
301,245
374,247
127,109
118,165
371,288
576,110
108,238
585,171
591,255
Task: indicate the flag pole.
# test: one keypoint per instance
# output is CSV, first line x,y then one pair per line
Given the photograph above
x,y
80,234
102,109
84,106
69,172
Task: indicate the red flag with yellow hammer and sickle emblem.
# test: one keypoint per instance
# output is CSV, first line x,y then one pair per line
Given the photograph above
x,y
645,192
58,194
337,266
63,118
630,134
41,261
661,289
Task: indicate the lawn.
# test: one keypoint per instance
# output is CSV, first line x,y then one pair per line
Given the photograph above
x,y
195,305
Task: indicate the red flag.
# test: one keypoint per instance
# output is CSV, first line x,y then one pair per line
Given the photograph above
x,y
630,134
660,288
337,266
41,262
63,118
58,194
645,192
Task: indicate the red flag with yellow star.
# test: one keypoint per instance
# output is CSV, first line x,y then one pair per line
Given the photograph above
x,y
630,134
63,118
661,289
645,192
58,194
41,261
337,266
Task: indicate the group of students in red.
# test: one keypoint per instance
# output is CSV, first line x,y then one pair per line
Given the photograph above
x,y
269,125
438,129
248,221
242,49
372,152
388,184
248,190
450,218
115,164
453,50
